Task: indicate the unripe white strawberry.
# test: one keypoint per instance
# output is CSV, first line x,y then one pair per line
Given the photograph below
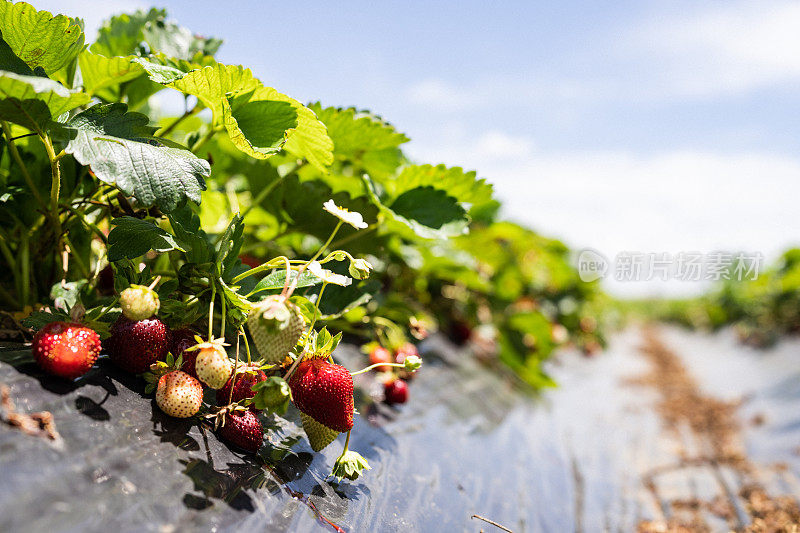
x,y
178,394
276,325
213,366
139,302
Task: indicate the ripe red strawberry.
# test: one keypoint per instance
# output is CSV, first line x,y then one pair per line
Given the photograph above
x,y
324,391
135,345
66,349
396,391
379,354
182,339
243,429
178,394
245,378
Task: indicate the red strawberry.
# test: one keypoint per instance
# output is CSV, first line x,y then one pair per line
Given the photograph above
x,y
180,340
379,354
178,394
396,391
135,345
66,349
324,391
243,429
246,376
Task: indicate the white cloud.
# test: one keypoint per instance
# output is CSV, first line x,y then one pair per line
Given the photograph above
x,y
617,201
733,47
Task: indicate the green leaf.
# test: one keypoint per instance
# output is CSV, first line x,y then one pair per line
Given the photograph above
x,y
39,319
229,91
276,280
119,147
465,187
259,120
99,72
121,35
186,226
133,237
35,102
176,41
229,245
9,61
159,73
238,306
427,212
39,38
66,295
355,132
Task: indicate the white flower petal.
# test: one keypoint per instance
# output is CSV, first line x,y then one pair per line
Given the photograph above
x,y
351,217
328,276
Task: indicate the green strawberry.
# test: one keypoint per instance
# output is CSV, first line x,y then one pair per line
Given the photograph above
x,y
213,366
276,325
318,435
139,302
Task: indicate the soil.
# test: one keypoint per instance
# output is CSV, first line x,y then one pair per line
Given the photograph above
x,y
716,432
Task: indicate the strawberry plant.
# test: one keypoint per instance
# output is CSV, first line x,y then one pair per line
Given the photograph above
x,y
222,246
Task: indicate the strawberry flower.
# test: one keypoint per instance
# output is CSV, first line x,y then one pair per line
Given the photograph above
x,y
345,215
326,275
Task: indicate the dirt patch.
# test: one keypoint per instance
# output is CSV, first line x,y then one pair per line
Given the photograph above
x,y
716,434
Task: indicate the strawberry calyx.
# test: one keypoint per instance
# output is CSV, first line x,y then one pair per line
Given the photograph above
x,y
350,465
160,368
217,418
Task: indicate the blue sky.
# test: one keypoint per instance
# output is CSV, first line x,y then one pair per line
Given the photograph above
x,y
647,126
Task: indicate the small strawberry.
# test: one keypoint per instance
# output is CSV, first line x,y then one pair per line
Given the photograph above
x,y
182,339
379,354
178,394
324,391
319,436
243,429
135,345
240,385
213,366
396,391
66,349
276,325
139,302
404,351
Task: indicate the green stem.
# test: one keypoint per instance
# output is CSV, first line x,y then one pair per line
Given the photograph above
x,y
211,311
263,194
25,263
81,265
346,445
204,139
171,126
354,236
303,268
370,367
246,344
55,187
223,304
316,304
272,263
12,148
